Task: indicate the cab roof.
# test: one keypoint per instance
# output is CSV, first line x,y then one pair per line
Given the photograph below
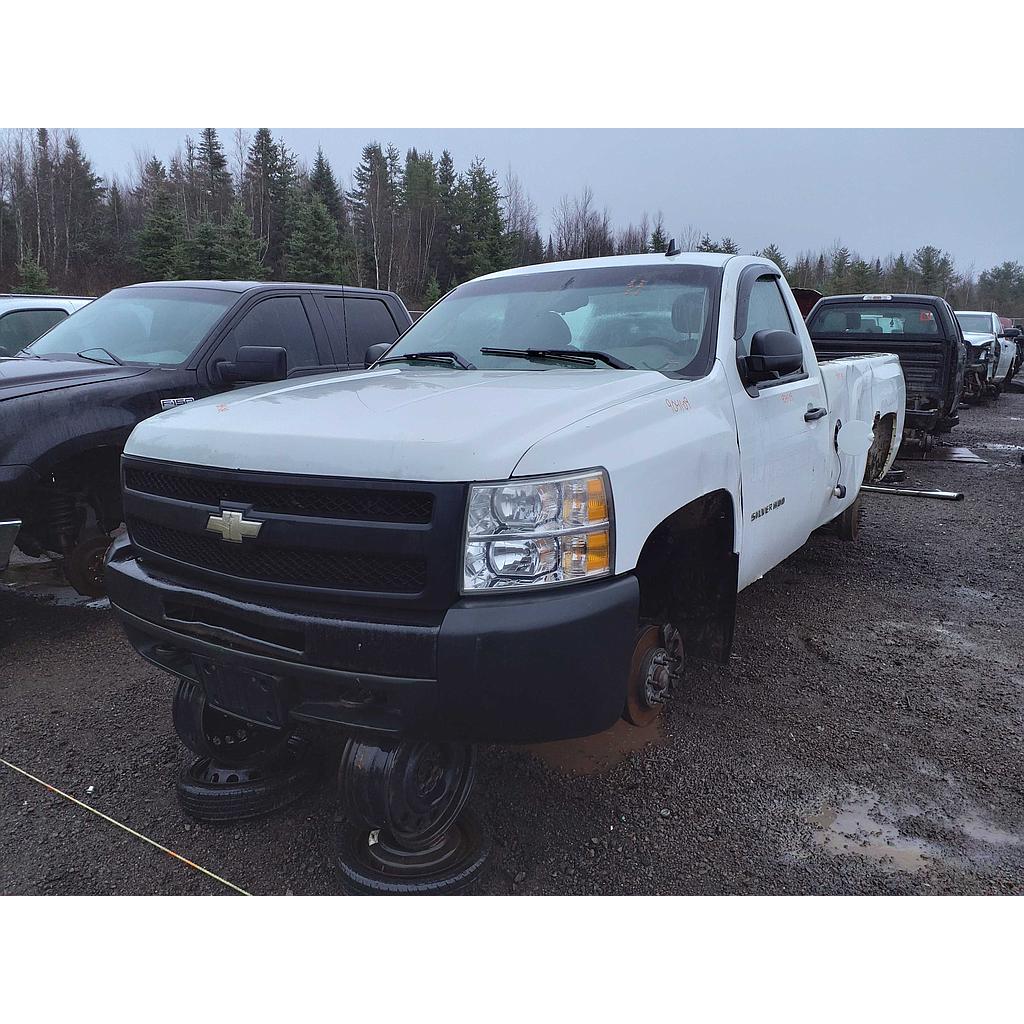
x,y
652,259
889,296
246,286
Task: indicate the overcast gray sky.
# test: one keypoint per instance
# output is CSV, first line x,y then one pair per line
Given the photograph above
x,y
878,190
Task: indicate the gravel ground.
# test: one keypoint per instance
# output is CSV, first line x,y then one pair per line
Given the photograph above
x,y
865,738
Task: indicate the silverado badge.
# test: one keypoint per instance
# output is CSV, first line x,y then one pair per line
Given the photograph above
x,y
233,526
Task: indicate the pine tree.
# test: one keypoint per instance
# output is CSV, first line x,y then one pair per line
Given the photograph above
x,y
323,183
312,252
839,263
32,278
215,178
159,241
774,253
658,243
488,250
240,251
861,277
201,257
432,292
727,245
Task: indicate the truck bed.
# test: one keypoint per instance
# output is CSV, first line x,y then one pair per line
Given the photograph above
x,y
865,387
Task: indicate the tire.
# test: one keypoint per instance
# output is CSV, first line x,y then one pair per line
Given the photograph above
x,y
84,566
216,794
221,737
848,521
360,878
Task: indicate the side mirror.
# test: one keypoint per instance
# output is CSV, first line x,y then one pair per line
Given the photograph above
x,y
255,363
1012,333
374,352
771,353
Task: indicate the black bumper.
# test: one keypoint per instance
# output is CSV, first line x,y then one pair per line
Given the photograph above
x,y
504,669
921,419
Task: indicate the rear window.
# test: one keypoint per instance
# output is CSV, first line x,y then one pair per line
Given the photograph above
x,y
864,319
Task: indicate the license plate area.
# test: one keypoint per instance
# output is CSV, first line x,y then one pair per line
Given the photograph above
x,y
254,696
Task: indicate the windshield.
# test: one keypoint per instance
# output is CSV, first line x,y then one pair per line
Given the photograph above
x,y
838,319
977,323
158,326
650,317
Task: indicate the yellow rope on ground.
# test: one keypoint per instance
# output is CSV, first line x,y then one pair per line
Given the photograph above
x,y
130,831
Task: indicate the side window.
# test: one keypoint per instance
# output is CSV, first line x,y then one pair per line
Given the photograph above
x,y
767,312
278,322
367,322
17,329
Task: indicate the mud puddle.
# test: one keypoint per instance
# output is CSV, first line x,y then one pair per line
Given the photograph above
x,y
594,754
863,826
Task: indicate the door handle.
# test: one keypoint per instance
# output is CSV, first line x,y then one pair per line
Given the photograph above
x,y
814,414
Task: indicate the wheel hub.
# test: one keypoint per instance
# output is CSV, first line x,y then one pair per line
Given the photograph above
x,y
656,666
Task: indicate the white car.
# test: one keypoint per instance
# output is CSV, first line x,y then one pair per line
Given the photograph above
x,y
23,318
991,354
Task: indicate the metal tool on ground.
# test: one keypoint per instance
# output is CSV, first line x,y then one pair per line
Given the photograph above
x,y
907,492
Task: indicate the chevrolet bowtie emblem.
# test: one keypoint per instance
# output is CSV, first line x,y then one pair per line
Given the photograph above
x,y
233,526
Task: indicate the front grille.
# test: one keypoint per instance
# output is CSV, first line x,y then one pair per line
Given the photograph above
x,y
366,505
305,568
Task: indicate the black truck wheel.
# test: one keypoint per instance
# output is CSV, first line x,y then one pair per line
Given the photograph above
x,y
220,737
848,521
83,566
372,864
216,793
414,790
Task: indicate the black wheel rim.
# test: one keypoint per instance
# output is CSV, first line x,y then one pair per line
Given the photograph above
x,y
414,791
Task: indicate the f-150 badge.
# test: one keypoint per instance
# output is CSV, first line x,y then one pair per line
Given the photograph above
x,y
170,403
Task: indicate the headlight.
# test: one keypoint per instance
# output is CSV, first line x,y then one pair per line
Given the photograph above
x,y
526,533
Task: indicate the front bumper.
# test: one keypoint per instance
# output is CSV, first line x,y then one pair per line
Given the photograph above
x,y
506,668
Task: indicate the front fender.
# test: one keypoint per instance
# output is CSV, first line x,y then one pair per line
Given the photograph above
x,y
662,451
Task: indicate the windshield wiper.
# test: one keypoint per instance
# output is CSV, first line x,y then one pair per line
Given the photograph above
x,y
431,357
98,348
585,356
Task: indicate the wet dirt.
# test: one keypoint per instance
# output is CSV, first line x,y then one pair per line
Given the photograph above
x,y
865,737
592,754
43,579
938,453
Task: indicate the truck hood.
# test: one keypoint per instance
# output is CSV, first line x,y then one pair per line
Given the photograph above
x,y
405,424
23,375
977,338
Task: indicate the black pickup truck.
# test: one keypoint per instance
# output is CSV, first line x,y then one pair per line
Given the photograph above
x,y
69,401
921,330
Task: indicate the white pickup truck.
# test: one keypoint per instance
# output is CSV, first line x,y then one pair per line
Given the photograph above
x,y
514,524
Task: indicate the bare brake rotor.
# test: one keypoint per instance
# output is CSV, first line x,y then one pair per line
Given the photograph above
x,y
654,669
